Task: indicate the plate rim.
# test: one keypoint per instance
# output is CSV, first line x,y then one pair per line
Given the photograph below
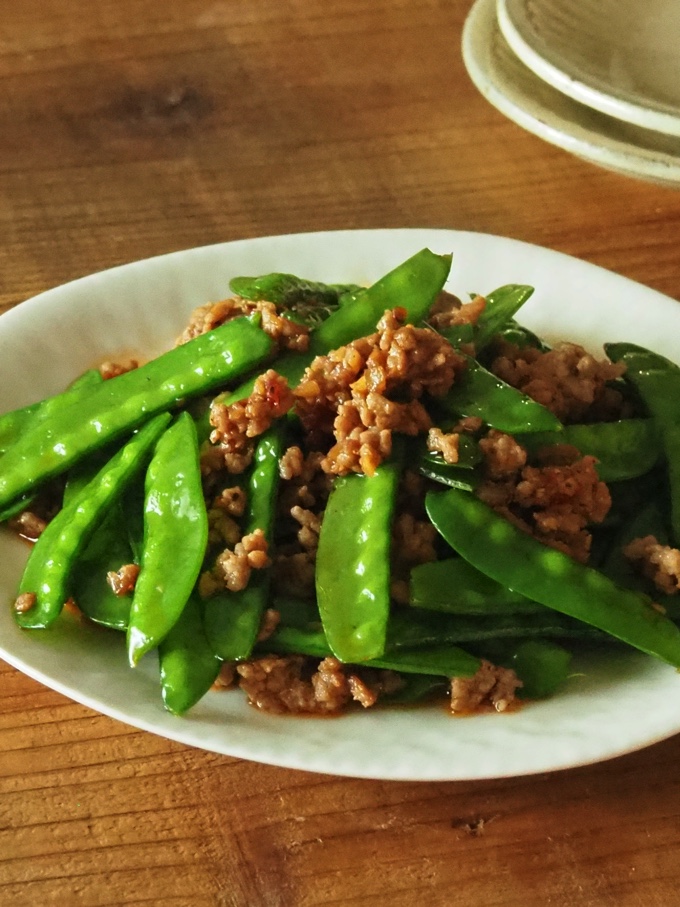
x,y
555,69
481,28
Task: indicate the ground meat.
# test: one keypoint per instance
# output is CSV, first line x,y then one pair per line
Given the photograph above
x,y
468,425
445,444
364,391
281,684
659,563
413,540
25,602
226,678
553,503
491,685
233,568
28,525
270,621
503,456
287,334
290,684
110,370
567,380
310,527
448,310
235,425
122,582
232,501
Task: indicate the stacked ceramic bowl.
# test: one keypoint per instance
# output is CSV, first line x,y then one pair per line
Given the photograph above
x,y
600,78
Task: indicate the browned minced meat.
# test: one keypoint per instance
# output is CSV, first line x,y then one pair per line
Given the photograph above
x,y
553,503
232,569
491,685
25,602
270,621
122,582
444,443
234,426
231,500
657,562
226,678
291,684
364,391
222,527
448,310
567,380
110,370
28,525
413,540
287,334
503,456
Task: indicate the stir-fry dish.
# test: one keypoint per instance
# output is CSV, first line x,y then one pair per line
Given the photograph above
x,y
331,495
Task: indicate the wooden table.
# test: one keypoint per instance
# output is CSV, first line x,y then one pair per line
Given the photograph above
x,y
132,127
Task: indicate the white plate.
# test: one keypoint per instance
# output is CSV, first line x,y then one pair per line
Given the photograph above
x,y
609,707
529,101
618,56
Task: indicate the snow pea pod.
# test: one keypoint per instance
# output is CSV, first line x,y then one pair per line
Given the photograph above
x,y
516,560
49,566
232,619
443,660
478,392
624,450
175,538
522,337
456,587
501,306
307,300
94,416
657,381
541,665
14,423
107,551
188,665
353,562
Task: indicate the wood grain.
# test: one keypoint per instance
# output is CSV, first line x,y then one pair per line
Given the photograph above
x,y
130,128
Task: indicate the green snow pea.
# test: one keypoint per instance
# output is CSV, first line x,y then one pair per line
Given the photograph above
x,y
541,665
49,566
443,660
353,562
414,628
188,665
14,423
520,562
308,300
521,337
478,392
107,551
175,538
624,450
456,587
501,306
85,421
459,475
232,619
657,381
